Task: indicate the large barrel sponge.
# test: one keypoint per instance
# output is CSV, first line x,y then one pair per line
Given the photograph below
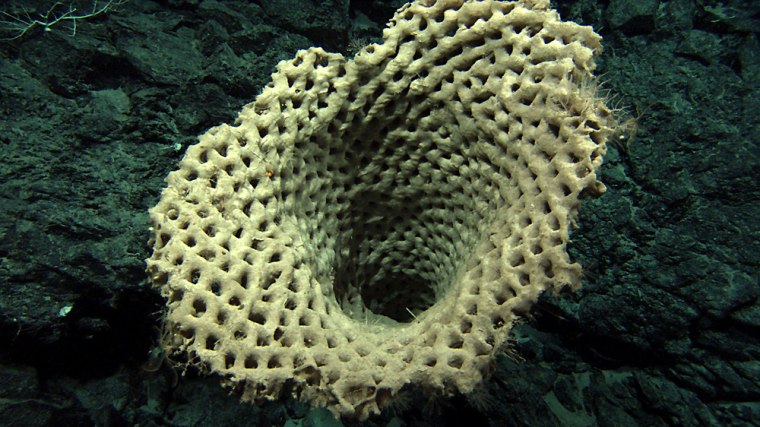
x,y
381,222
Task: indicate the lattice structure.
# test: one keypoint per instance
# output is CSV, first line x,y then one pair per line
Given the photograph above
x,y
377,223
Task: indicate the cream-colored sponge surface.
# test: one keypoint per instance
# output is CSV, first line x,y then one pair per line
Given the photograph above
x,y
379,223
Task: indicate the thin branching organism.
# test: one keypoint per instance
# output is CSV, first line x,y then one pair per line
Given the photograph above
x,y
17,24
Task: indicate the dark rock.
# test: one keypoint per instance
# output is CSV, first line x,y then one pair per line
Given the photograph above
x,y
632,17
324,22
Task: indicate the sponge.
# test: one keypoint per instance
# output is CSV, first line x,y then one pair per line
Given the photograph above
x,y
379,223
